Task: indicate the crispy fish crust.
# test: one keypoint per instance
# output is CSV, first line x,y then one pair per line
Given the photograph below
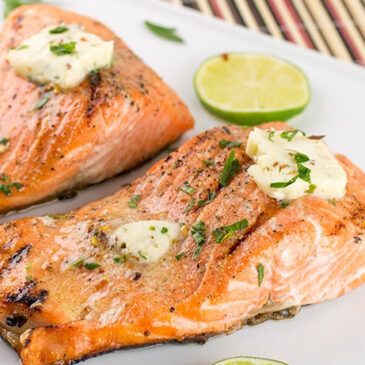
x,y
111,122
311,251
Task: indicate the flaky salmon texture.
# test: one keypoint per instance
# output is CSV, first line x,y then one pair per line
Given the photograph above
x,y
114,120
53,310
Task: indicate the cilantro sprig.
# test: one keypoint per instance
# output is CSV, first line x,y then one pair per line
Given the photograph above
x,y
198,233
227,231
230,168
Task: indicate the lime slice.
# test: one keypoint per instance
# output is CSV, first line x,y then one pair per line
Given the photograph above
x,y
245,360
251,88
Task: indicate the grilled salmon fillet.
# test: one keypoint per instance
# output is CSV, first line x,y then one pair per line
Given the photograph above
x,y
53,311
114,120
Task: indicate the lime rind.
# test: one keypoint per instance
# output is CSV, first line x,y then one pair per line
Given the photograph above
x,y
249,360
257,115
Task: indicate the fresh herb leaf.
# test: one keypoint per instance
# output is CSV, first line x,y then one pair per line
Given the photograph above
x,y
164,32
4,177
283,205
164,230
301,157
198,233
4,141
332,201
91,265
289,135
58,30
41,103
117,259
23,46
63,49
133,203
211,197
179,256
270,136
311,189
152,228
229,144
28,267
304,173
53,216
187,189
209,162
10,5
260,273
77,263
284,184
6,189
29,278
227,231
141,254
230,168
189,206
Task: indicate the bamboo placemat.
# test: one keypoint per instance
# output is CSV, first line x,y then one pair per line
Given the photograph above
x,y
333,27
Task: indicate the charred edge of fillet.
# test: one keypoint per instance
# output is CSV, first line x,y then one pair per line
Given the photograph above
x,y
25,296
15,259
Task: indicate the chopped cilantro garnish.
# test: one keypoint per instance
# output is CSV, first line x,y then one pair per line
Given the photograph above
x,y
260,273
284,204
289,135
198,233
6,189
187,189
141,254
301,157
284,184
28,267
77,263
41,103
179,256
164,230
91,265
304,173
134,201
209,162
230,168
164,32
271,135
227,231
119,260
211,196
63,49
4,177
229,144
4,141
57,216
311,189
23,46
190,205
29,278
152,228
58,30
332,201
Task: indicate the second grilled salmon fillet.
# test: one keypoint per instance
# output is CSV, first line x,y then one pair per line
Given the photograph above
x,y
311,251
114,120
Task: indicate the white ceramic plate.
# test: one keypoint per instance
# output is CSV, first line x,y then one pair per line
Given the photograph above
x,y
329,333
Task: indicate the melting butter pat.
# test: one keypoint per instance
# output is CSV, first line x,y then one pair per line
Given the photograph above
x,y
305,165
63,55
147,240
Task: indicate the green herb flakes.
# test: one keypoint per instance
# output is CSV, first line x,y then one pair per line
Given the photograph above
x,y
180,256
209,162
284,204
141,254
91,265
189,206
211,197
311,189
63,49
230,168
29,278
4,141
270,136
260,273
198,233
229,144
58,30
164,32
164,230
289,135
332,201
77,263
6,188
187,189
41,103
227,231
133,203
10,5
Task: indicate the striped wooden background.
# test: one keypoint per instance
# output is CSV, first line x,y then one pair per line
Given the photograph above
x,y
333,27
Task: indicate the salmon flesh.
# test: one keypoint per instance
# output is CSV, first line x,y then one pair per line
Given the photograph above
x,y
54,311
114,120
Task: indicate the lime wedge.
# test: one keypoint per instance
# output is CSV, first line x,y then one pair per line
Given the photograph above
x,y
245,360
251,88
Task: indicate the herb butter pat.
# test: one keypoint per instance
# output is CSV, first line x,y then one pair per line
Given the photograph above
x,y
62,55
289,165
148,241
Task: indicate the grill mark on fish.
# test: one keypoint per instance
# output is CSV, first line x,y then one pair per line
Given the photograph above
x,y
15,259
